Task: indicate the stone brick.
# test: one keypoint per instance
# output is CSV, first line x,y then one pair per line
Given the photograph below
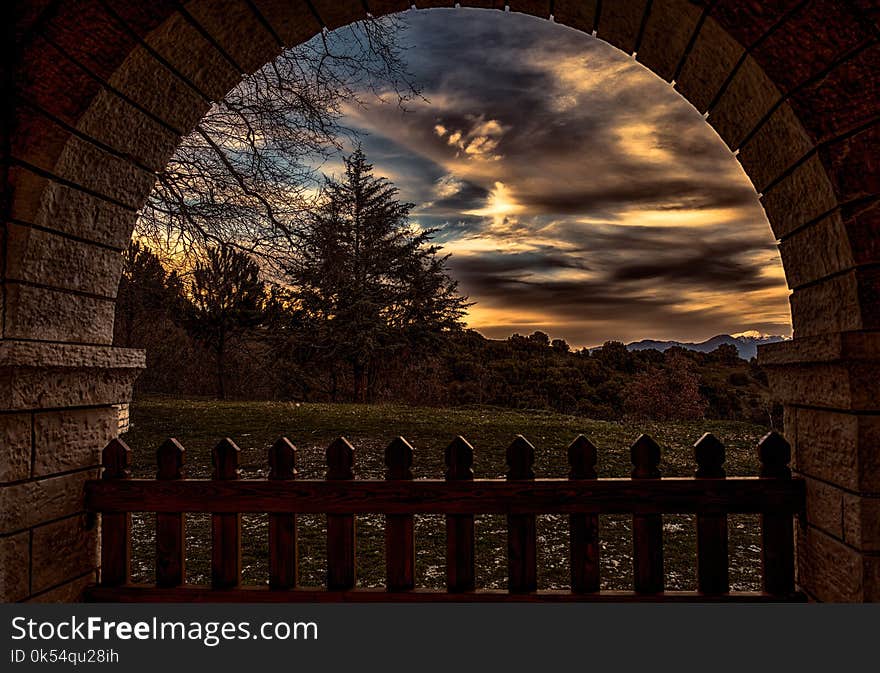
x,y
861,522
708,65
62,551
69,592
851,385
871,581
15,447
53,82
147,82
853,164
668,31
775,148
837,447
43,258
861,221
802,196
830,570
89,35
825,507
31,503
14,564
85,164
293,21
843,99
829,306
336,13
816,251
835,347
70,440
38,140
190,53
580,14
110,119
61,387
41,313
539,8
238,30
143,17
69,210
620,22
746,100
809,41
748,22
61,375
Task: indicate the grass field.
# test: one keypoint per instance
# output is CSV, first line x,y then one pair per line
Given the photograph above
x,y
254,426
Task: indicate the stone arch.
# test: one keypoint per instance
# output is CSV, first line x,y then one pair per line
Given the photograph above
x,y
103,91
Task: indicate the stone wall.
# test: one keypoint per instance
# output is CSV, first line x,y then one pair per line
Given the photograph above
x,y
102,92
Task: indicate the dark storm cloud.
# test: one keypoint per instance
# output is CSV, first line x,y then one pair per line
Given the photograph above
x,y
574,189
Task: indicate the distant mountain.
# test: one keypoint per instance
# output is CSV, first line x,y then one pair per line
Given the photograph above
x,y
746,343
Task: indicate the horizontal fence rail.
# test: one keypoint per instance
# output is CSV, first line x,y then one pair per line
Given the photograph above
x,y
710,494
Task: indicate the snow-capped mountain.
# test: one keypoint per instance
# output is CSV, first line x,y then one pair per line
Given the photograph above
x,y
746,343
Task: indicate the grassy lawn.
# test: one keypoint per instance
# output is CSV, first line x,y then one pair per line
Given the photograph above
x,y
254,426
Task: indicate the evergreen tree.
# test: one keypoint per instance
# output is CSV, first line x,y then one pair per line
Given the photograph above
x,y
147,293
371,281
226,298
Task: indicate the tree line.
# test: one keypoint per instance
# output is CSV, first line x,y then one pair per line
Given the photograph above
x,y
252,276
367,312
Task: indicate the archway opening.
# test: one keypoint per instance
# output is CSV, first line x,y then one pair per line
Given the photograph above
x,y
581,201
103,92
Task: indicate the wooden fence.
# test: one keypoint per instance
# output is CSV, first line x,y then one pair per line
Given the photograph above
x,y
774,494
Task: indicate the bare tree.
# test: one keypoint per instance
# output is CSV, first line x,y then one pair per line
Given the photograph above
x,y
249,171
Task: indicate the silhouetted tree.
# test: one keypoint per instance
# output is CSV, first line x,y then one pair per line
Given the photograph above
x,y
146,293
226,296
368,279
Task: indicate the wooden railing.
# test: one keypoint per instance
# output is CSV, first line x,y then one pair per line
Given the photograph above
x,y
646,496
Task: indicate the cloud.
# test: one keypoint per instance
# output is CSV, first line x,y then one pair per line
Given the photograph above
x,y
575,189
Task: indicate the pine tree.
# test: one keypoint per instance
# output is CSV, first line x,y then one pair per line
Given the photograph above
x,y
147,294
369,280
226,297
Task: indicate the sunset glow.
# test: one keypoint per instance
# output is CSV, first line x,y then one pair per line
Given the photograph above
x,y
577,192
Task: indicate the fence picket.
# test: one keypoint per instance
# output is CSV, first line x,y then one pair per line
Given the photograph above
x,y
226,528
777,529
170,552
710,495
459,458
340,527
400,553
116,526
583,527
522,574
712,561
283,554
647,528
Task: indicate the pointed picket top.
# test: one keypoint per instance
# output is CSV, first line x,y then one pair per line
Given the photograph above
x,y
282,460
709,454
116,459
459,458
225,459
399,459
340,459
169,460
645,456
520,459
582,458
774,453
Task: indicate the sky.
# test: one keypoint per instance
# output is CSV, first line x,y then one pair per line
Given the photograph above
x,y
577,192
